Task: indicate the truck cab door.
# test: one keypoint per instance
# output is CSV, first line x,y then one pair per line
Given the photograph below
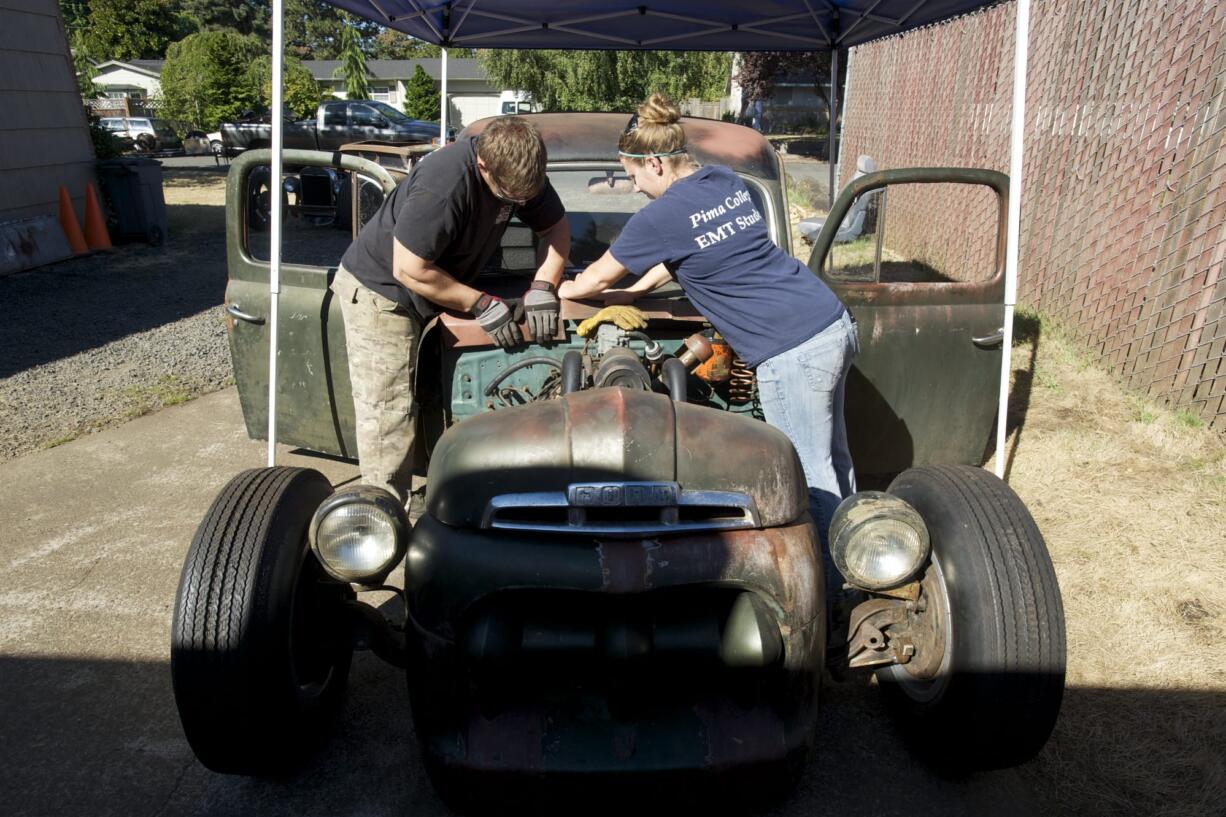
x,y
314,399
332,125
917,256
365,123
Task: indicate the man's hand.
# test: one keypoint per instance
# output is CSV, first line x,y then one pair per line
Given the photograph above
x,y
495,318
627,317
541,306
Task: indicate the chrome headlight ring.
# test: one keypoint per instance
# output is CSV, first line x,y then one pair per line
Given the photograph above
x,y
878,541
359,534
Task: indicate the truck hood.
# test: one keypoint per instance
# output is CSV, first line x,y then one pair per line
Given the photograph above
x,y
637,445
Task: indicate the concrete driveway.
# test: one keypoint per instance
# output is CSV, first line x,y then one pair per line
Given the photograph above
x,y
94,534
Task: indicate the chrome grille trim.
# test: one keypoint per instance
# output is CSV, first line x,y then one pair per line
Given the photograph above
x,y
668,499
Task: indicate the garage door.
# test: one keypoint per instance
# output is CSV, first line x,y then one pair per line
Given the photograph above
x,y
470,108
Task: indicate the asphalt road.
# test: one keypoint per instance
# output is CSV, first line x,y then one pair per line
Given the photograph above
x,y
95,532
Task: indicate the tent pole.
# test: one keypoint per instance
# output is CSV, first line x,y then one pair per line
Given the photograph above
x,y
274,196
1021,48
834,117
442,133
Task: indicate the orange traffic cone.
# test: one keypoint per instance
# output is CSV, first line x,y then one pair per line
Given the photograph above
x,y
95,226
69,224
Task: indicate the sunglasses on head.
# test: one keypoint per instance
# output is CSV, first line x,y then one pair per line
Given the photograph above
x,y
632,124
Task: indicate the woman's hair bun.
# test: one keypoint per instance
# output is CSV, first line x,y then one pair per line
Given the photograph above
x,y
659,110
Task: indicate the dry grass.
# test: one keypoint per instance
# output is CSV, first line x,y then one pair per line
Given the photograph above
x,y
1131,498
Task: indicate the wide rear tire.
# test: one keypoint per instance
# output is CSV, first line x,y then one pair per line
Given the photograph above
x,y
259,648
998,693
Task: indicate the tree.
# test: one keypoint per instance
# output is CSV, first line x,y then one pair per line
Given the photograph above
x,y
390,44
205,79
758,72
353,65
132,29
314,30
243,16
421,98
302,92
606,80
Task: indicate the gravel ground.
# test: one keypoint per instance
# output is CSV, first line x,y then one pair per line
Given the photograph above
x,y
94,341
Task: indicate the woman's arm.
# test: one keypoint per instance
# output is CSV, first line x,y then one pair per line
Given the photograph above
x,y
598,277
655,278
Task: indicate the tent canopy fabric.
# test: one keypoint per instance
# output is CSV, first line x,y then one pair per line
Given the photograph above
x,y
667,25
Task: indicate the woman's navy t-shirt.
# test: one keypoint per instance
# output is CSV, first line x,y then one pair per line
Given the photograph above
x,y
708,232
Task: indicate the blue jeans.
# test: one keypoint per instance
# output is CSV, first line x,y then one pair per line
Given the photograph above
x,y
802,396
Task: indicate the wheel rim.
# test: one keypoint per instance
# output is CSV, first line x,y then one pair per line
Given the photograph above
x,y
313,637
938,616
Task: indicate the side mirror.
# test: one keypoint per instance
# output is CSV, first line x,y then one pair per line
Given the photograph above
x,y
380,122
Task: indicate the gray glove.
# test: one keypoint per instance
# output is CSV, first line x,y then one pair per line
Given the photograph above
x,y
496,319
541,305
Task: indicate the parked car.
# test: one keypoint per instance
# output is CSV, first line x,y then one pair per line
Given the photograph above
x,y
196,143
615,579
148,135
336,123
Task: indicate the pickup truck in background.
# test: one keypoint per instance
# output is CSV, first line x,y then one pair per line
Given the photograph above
x,y
336,123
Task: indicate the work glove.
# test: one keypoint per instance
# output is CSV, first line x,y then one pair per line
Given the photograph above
x,y
541,306
625,316
497,320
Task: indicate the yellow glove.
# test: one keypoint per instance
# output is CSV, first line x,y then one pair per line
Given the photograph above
x,y
625,316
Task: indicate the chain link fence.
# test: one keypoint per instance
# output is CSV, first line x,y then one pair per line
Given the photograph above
x,y
1124,208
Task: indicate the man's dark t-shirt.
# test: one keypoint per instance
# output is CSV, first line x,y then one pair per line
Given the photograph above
x,y
708,233
444,213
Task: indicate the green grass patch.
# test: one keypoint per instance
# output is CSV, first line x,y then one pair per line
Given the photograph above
x,y
58,441
1143,412
1188,419
169,390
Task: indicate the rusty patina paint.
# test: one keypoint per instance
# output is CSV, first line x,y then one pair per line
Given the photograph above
x,y
613,435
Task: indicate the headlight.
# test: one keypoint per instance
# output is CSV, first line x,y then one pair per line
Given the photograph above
x,y
877,540
359,534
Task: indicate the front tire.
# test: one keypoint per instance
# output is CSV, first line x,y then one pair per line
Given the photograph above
x,y
991,592
259,652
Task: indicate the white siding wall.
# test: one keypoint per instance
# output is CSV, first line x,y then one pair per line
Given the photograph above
x,y
126,78
44,136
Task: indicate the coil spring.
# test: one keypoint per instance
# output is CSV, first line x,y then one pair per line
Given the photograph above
x,y
742,384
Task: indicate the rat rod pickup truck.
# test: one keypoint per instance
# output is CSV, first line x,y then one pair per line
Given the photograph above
x,y
615,579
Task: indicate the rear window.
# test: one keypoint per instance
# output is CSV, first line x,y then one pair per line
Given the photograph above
x,y
600,202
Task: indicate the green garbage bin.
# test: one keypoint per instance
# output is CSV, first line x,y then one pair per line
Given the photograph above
x,y
133,187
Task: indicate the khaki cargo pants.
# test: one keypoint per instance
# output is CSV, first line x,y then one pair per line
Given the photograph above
x,y
381,337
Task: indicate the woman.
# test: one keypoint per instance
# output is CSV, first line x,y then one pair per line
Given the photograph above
x,y
703,228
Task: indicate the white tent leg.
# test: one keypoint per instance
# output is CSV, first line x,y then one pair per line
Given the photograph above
x,y
442,134
274,252
831,159
1021,48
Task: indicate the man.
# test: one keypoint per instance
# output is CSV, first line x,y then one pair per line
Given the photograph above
x,y
417,256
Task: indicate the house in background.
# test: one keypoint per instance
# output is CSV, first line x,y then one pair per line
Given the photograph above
x,y
138,80
469,92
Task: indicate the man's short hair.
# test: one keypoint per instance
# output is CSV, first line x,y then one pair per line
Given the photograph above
x,y
514,154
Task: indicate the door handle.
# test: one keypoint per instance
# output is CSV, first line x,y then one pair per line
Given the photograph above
x,y
988,341
236,311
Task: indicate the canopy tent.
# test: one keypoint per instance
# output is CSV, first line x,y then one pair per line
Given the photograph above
x,y
677,25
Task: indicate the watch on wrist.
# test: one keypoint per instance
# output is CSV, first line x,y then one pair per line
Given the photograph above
x,y
482,304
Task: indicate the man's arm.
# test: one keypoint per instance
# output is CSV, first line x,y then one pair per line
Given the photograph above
x,y
430,281
598,277
552,252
